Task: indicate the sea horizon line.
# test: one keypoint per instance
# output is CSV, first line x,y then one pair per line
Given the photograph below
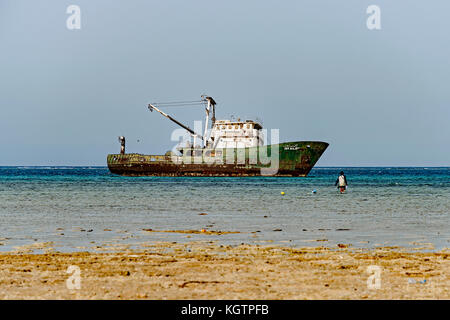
x,y
315,167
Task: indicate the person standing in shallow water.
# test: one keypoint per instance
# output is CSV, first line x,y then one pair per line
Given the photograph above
x,y
341,182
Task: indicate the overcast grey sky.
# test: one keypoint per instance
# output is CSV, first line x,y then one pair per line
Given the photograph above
x,y
310,68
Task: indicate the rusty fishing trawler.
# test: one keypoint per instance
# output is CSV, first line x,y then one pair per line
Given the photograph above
x,y
229,148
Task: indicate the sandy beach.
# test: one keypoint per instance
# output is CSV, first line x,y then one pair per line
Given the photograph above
x,y
200,270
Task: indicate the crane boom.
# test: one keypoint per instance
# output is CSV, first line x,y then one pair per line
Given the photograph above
x,y
152,107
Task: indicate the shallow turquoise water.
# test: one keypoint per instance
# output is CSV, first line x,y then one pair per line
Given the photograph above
x,y
383,206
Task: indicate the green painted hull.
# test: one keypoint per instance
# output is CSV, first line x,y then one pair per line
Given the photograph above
x,y
284,159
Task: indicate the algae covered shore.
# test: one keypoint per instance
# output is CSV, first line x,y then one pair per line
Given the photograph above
x,y
202,270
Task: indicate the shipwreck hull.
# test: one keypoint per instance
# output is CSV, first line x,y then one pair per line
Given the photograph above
x,y
285,159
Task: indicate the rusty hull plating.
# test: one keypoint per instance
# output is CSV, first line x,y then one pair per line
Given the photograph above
x,y
294,159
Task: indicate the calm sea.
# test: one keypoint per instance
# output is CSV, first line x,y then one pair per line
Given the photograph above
x,y
80,208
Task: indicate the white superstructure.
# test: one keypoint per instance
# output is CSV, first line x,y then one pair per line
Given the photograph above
x,y
236,134
223,133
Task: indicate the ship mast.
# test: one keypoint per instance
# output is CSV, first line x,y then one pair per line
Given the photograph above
x,y
211,104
